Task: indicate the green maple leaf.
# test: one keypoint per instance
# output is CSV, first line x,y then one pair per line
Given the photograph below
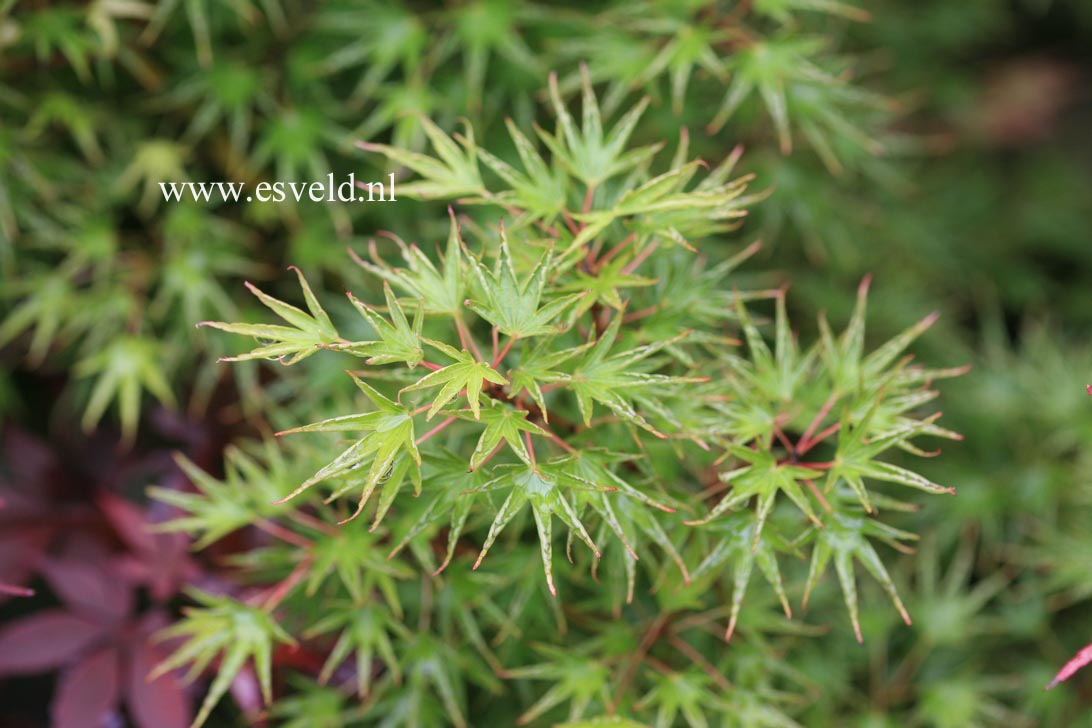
x,y
446,499
855,458
596,487
440,292
627,520
576,679
399,340
366,631
220,625
762,479
452,173
431,665
540,366
849,367
503,422
845,539
390,434
737,544
220,507
686,692
355,556
542,488
512,306
540,190
603,377
609,721
587,153
606,284
306,334
776,375
125,368
467,373
51,300
664,208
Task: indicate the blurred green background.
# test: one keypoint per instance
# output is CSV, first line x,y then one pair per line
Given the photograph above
x,y
960,178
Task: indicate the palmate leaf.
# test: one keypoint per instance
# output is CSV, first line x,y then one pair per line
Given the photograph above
x,y
439,292
688,693
608,721
491,35
366,631
587,153
355,557
220,507
539,189
127,367
48,307
693,46
664,208
737,543
467,375
503,422
390,434
304,336
451,174
514,307
447,478
360,38
543,487
606,284
845,538
222,626
629,521
539,366
593,467
604,377
776,375
400,342
786,74
623,509
433,669
312,706
762,479
468,604
856,455
577,679
848,366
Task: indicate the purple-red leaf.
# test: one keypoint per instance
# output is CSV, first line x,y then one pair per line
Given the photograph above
x,y
129,522
44,641
161,703
1081,659
88,588
87,692
161,561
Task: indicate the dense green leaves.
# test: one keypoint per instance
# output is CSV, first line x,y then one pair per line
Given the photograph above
x,y
581,348
103,100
